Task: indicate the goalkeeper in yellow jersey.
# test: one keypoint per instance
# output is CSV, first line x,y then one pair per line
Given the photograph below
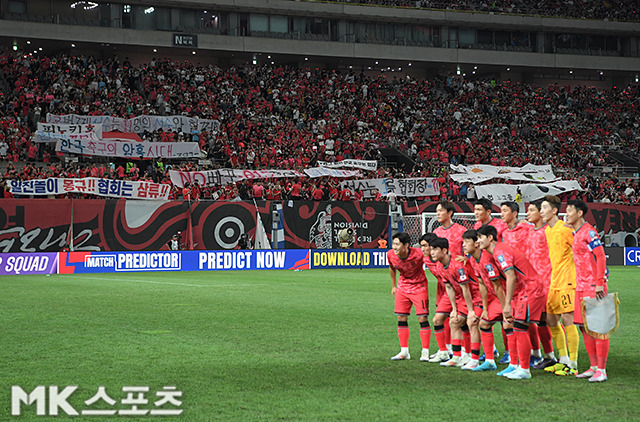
x,y
562,289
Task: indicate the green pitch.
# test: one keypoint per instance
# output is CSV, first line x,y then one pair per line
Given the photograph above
x,y
275,345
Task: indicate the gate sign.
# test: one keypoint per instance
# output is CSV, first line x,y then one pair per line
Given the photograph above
x,y
185,40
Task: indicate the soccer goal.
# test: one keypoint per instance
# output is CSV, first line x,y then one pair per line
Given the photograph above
x,y
429,221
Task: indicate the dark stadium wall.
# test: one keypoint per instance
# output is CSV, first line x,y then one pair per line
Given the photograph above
x,y
47,225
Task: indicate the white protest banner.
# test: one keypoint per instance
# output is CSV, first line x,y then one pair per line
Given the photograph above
x,y
92,186
314,172
482,172
370,165
224,176
49,132
413,187
91,137
140,124
499,193
368,187
115,148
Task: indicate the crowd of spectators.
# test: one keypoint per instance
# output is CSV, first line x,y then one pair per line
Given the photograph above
x,y
622,10
289,118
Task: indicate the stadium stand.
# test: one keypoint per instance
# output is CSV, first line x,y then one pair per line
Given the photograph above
x,y
282,117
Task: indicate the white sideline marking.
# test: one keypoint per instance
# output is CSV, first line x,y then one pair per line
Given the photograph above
x,y
145,281
178,284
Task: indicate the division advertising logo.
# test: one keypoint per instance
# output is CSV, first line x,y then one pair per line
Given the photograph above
x,y
133,401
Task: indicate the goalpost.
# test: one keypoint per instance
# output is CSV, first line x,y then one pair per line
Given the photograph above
x,y
417,225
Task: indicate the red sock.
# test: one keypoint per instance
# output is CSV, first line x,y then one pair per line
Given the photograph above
x,y
513,351
505,339
440,337
545,338
523,347
475,351
447,332
466,340
533,336
590,345
456,346
602,348
487,343
403,336
425,336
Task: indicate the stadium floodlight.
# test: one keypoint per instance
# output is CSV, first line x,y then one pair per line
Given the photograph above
x,y
149,10
86,5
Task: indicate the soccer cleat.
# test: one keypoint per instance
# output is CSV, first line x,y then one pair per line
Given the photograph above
x,y
451,362
586,374
470,366
505,358
556,367
463,361
486,366
534,360
546,362
401,356
441,356
481,358
519,374
599,376
506,370
425,355
567,370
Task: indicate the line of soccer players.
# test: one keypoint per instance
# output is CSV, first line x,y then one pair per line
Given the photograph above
x,y
526,275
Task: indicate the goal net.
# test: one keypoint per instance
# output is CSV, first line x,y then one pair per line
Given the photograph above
x,y
429,222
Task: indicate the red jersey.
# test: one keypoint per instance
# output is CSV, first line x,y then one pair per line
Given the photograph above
x,y
457,274
412,278
453,234
588,254
509,258
518,236
539,255
435,269
500,226
485,268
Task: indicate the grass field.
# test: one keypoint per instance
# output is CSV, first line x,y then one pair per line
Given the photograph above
x,y
275,345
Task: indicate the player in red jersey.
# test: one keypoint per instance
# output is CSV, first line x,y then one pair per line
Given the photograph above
x,y
444,348
591,281
484,266
517,235
539,258
453,233
520,283
482,210
462,290
410,289
448,229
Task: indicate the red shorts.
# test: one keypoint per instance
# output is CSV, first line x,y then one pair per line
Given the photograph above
x,y
461,304
444,305
440,292
581,294
494,310
477,309
520,309
537,306
419,299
